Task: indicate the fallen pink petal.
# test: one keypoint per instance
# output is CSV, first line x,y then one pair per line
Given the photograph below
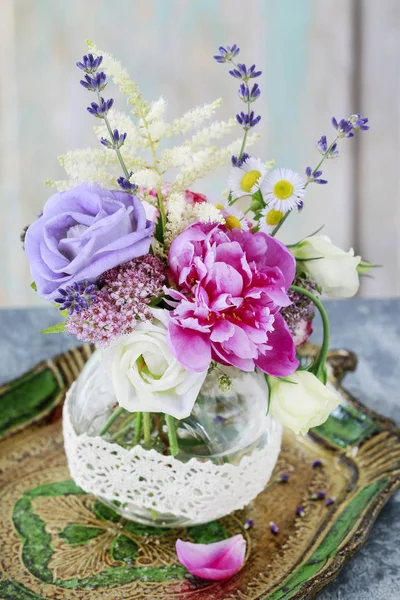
x,y
216,561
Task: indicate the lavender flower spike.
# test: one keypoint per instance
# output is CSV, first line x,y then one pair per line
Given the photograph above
x,y
100,111
359,122
118,140
322,146
248,121
314,176
238,162
126,185
248,95
96,83
344,128
76,297
242,72
226,54
90,64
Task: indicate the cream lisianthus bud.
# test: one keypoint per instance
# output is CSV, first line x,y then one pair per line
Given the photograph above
x,y
333,269
301,401
145,374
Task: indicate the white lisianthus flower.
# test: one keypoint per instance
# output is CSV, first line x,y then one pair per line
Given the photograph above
x,y
301,401
146,375
333,269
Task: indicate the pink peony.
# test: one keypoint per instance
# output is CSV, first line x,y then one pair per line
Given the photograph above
x,y
216,561
230,286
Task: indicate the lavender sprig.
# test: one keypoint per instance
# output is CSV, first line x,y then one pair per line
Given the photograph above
x,y
96,82
126,185
314,176
118,140
247,95
90,64
344,128
76,297
238,162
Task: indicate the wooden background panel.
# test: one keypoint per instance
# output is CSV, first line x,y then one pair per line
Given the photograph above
x,y
379,172
318,59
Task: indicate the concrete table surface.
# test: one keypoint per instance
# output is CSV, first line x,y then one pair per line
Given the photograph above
x,y
370,328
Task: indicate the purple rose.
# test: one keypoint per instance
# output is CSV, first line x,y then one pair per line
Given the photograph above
x,y
82,233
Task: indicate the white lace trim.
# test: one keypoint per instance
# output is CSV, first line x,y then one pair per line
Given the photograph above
x,y
197,491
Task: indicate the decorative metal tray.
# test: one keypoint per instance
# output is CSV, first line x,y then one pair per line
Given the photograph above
x,y
59,543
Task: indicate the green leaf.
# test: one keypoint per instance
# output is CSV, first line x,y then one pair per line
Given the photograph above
x,y
33,286
58,328
76,534
159,234
257,202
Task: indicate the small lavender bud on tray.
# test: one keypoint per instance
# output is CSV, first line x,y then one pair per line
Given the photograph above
x,y
318,495
274,528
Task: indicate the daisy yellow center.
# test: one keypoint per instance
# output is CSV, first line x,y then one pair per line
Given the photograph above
x,y
283,189
249,179
273,217
232,222
220,206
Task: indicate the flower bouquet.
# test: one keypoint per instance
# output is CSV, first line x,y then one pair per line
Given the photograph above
x,y
195,307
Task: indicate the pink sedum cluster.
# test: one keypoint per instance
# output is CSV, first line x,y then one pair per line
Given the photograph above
x,y
122,300
229,289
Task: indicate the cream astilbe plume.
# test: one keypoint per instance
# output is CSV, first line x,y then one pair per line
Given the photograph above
x,y
195,117
121,78
180,215
215,131
206,161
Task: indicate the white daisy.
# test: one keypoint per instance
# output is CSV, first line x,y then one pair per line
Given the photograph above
x,y
270,219
234,218
246,180
283,189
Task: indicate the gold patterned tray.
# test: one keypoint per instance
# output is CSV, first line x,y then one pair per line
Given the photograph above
x,y
59,543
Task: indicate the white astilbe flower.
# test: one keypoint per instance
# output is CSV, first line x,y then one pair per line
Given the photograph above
x,y
61,185
194,117
152,133
207,213
180,215
176,157
158,249
175,208
147,178
157,110
121,78
215,131
94,165
208,160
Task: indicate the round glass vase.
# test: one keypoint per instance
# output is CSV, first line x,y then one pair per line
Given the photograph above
x,y
227,449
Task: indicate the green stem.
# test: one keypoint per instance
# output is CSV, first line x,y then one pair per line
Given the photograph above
x,y
147,428
173,440
117,412
126,427
118,153
138,428
281,222
318,367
